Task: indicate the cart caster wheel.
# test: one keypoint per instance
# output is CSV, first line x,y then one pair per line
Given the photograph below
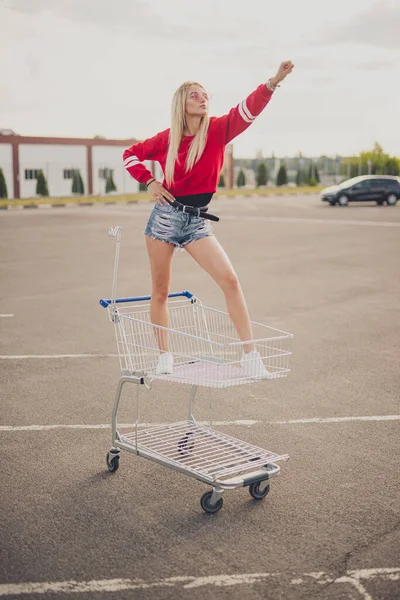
x,y
112,462
205,503
255,491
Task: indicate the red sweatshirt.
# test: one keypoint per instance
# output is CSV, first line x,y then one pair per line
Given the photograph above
x,y
204,176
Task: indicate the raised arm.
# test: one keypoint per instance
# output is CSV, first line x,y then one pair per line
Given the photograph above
x,y
150,149
244,114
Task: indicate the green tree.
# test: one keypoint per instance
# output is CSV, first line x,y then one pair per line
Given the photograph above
x,y
77,183
221,182
302,177
110,185
392,166
262,174
282,178
313,175
41,185
241,179
3,185
380,163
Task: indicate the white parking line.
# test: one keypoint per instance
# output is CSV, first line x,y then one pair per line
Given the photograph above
x,y
240,422
309,220
340,419
6,315
243,422
24,356
353,578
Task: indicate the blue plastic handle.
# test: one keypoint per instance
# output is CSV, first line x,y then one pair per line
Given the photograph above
x,y
106,303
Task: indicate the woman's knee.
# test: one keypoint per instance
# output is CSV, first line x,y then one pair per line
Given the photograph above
x,y
160,293
230,283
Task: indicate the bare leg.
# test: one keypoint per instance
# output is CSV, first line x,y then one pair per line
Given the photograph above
x,y
210,255
160,255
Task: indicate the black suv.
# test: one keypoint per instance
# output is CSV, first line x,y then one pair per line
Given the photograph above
x,y
378,188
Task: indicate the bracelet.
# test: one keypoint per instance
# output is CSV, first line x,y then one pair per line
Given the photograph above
x,y
272,87
149,182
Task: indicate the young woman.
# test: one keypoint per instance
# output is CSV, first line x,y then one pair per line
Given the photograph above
x,y
191,155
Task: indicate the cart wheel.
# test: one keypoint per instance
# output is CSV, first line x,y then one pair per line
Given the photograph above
x,y
205,503
112,462
186,444
255,491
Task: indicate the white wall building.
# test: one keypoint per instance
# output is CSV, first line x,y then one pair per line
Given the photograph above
x,y
21,158
6,164
249,174
53,161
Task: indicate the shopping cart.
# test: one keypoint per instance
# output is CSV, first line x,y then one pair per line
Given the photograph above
x,y
206,352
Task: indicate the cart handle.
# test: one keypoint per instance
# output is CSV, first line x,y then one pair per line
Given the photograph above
x,y
106,303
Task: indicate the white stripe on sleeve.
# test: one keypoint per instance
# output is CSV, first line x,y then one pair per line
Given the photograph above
x,y
246,111
131,160
243,114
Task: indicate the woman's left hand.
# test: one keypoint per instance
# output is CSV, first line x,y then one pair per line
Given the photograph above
x,y
284,70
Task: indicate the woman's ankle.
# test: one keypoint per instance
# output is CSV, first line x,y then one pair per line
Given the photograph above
x,y
248,348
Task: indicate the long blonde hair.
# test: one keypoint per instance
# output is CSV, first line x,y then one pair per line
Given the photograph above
x,y
197,146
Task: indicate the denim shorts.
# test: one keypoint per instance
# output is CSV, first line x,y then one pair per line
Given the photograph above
x,y
167,224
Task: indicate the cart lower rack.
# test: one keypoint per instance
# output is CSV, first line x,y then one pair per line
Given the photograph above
x,y
199,451
206,352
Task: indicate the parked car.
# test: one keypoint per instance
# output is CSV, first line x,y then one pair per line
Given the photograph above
x,y
377,188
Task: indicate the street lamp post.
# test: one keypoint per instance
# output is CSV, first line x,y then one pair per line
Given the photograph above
x,y
337,170
301,163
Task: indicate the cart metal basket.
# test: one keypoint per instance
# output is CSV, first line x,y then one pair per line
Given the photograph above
x,y
206,352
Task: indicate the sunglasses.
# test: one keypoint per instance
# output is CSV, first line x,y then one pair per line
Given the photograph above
x,y
198,97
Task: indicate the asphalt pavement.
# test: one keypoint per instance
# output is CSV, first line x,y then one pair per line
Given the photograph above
x,y
329,528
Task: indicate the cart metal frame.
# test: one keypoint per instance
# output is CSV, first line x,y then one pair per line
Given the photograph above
x,y
206,353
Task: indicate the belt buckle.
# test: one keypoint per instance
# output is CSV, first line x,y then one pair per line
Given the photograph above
x,y
184,208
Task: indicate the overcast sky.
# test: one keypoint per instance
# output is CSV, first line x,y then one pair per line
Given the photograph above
x,y
110,67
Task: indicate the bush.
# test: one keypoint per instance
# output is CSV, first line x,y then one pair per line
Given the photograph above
x,y
313,174
312,181
142,187
110,185
241,179
301,177
3,185
77,183
261,175
221,182
41,185
282,178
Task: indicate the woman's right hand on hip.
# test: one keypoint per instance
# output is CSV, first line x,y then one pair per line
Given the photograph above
x,y
159,193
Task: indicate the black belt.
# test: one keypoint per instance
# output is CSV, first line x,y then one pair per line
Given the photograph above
x,y
192,210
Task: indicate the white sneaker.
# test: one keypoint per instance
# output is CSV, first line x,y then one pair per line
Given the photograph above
x,y
165,364
253,365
